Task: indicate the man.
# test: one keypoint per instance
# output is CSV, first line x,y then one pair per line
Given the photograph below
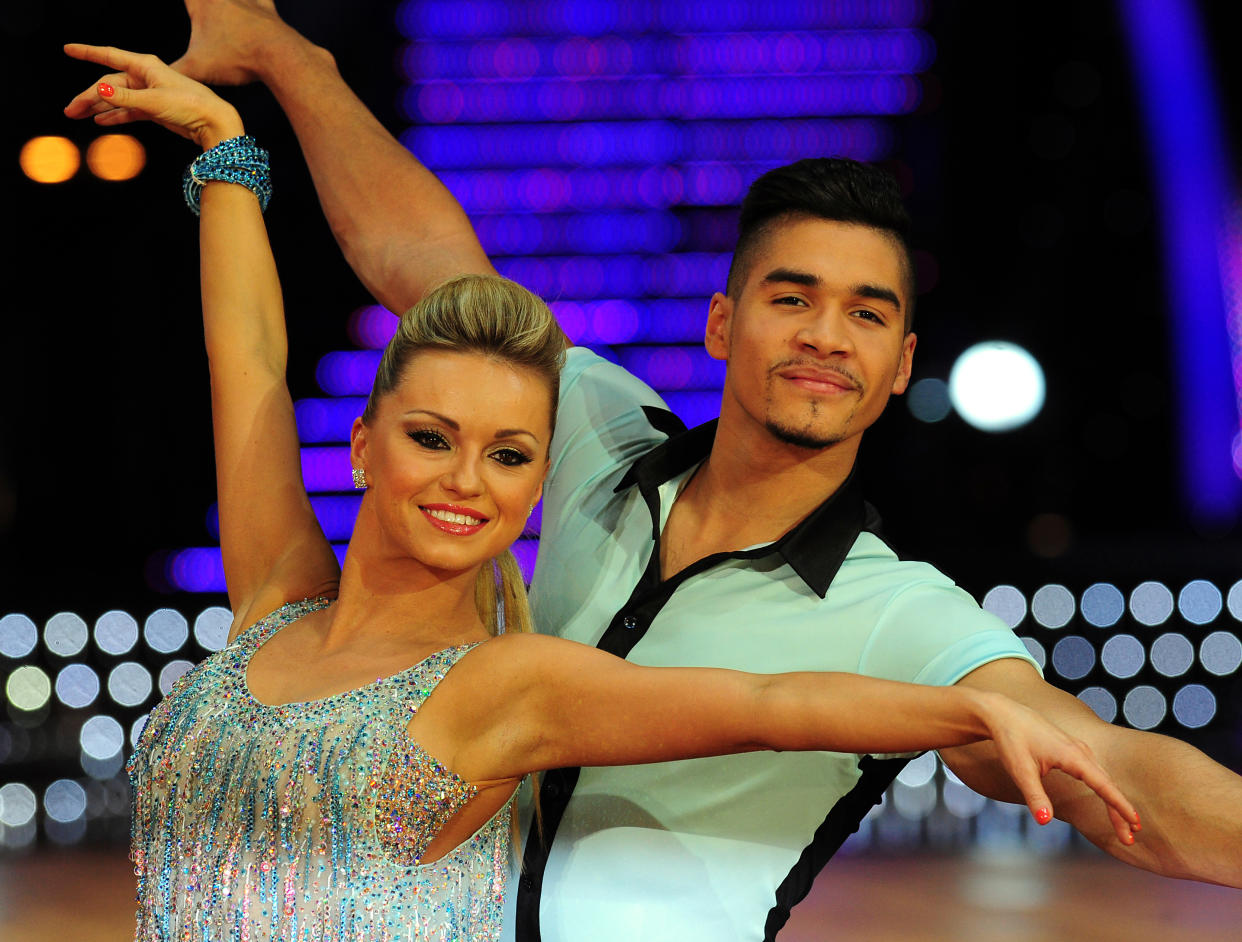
x,y
743,543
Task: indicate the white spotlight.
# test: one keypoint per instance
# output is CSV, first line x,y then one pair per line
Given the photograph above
x,y
996,386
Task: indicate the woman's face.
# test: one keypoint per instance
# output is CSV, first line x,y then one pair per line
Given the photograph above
x,y
455,457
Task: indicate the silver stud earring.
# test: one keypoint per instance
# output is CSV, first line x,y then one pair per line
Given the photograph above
x,y
360,479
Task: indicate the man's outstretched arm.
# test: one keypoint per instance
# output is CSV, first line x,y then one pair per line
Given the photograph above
x,y
1188,803
401,231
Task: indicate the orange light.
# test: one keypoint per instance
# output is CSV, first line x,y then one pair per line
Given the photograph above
x,y
50,159
116,157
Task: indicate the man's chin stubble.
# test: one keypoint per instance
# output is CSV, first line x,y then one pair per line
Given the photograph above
x,y
801,438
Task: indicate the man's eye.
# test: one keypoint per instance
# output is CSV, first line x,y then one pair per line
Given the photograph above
x,y
869,315
429,438
792,300
511,457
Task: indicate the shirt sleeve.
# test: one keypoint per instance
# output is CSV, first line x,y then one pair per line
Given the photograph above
x,y
935,633
601,427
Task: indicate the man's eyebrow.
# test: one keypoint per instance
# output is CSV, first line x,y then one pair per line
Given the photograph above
x,y
809,280
878,293
790,276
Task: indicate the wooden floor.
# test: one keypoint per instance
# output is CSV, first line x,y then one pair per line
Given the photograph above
x,y
87,896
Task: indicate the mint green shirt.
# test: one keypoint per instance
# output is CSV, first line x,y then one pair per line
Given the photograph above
x,y
716,849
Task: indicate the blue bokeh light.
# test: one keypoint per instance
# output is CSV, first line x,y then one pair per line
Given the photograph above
x,y
695,407
673,368
327,420
1103,604
840,51
347,372
1186,139
1073,657
619,320
484,101
327,468
638,146
601,150
457,19
372,326
686,275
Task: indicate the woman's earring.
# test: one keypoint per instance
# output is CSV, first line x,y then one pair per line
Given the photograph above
x,y
360,479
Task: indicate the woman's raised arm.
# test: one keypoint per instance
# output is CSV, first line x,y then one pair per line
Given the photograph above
x,y
272,544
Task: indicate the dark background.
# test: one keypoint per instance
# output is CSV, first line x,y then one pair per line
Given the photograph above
x,y
1028,178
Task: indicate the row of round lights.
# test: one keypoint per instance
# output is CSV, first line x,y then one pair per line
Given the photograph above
x,y
67,805
54,159
1103,604
116,632
30,688
928,802
1171,654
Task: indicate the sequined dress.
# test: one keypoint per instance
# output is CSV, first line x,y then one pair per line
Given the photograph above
x,y
306,821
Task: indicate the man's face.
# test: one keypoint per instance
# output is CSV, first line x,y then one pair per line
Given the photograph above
x,y
815,340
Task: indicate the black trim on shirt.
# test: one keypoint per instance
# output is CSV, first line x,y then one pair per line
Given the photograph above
x,y
842,821
815,548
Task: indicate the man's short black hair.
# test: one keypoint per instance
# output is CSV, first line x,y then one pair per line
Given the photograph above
x,y
832,188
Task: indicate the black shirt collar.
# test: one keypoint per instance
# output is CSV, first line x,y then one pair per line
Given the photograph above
x,y
815,548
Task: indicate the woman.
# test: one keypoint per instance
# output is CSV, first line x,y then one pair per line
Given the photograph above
x,y
319,802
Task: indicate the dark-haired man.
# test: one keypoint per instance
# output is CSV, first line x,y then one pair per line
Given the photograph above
x,y
743,543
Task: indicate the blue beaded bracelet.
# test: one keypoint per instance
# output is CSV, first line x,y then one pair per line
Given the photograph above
x,y
237,160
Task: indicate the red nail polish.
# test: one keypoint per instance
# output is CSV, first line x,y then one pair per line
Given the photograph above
x,y
1129,839
1138,825
1043,815
106,90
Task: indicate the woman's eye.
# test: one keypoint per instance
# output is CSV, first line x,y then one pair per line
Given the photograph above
x,y
429,438
511,457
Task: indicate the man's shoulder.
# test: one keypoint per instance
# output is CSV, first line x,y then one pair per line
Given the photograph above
x,y
872,558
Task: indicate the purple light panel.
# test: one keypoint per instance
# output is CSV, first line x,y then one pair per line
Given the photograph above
x,y
1190,160
347,372
900,51
688,274
372,327
336,515
454,19
327,420
199,568
601,149
794,96
621,321
327,469
643,144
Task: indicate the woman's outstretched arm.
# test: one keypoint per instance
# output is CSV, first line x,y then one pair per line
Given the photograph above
x,y
272,545
573,705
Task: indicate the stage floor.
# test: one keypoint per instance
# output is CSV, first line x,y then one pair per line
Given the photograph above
x,y
86,896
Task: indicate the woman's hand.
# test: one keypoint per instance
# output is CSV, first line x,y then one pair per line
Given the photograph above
x,y
145,89
1030,747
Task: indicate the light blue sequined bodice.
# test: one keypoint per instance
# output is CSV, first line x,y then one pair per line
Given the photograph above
x,y
255,823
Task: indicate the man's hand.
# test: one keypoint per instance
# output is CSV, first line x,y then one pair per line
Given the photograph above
x,y
228,39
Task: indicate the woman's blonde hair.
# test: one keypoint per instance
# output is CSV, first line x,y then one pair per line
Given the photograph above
x,y
495,317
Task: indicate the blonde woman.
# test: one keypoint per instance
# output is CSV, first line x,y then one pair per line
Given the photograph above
x,y
281,790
